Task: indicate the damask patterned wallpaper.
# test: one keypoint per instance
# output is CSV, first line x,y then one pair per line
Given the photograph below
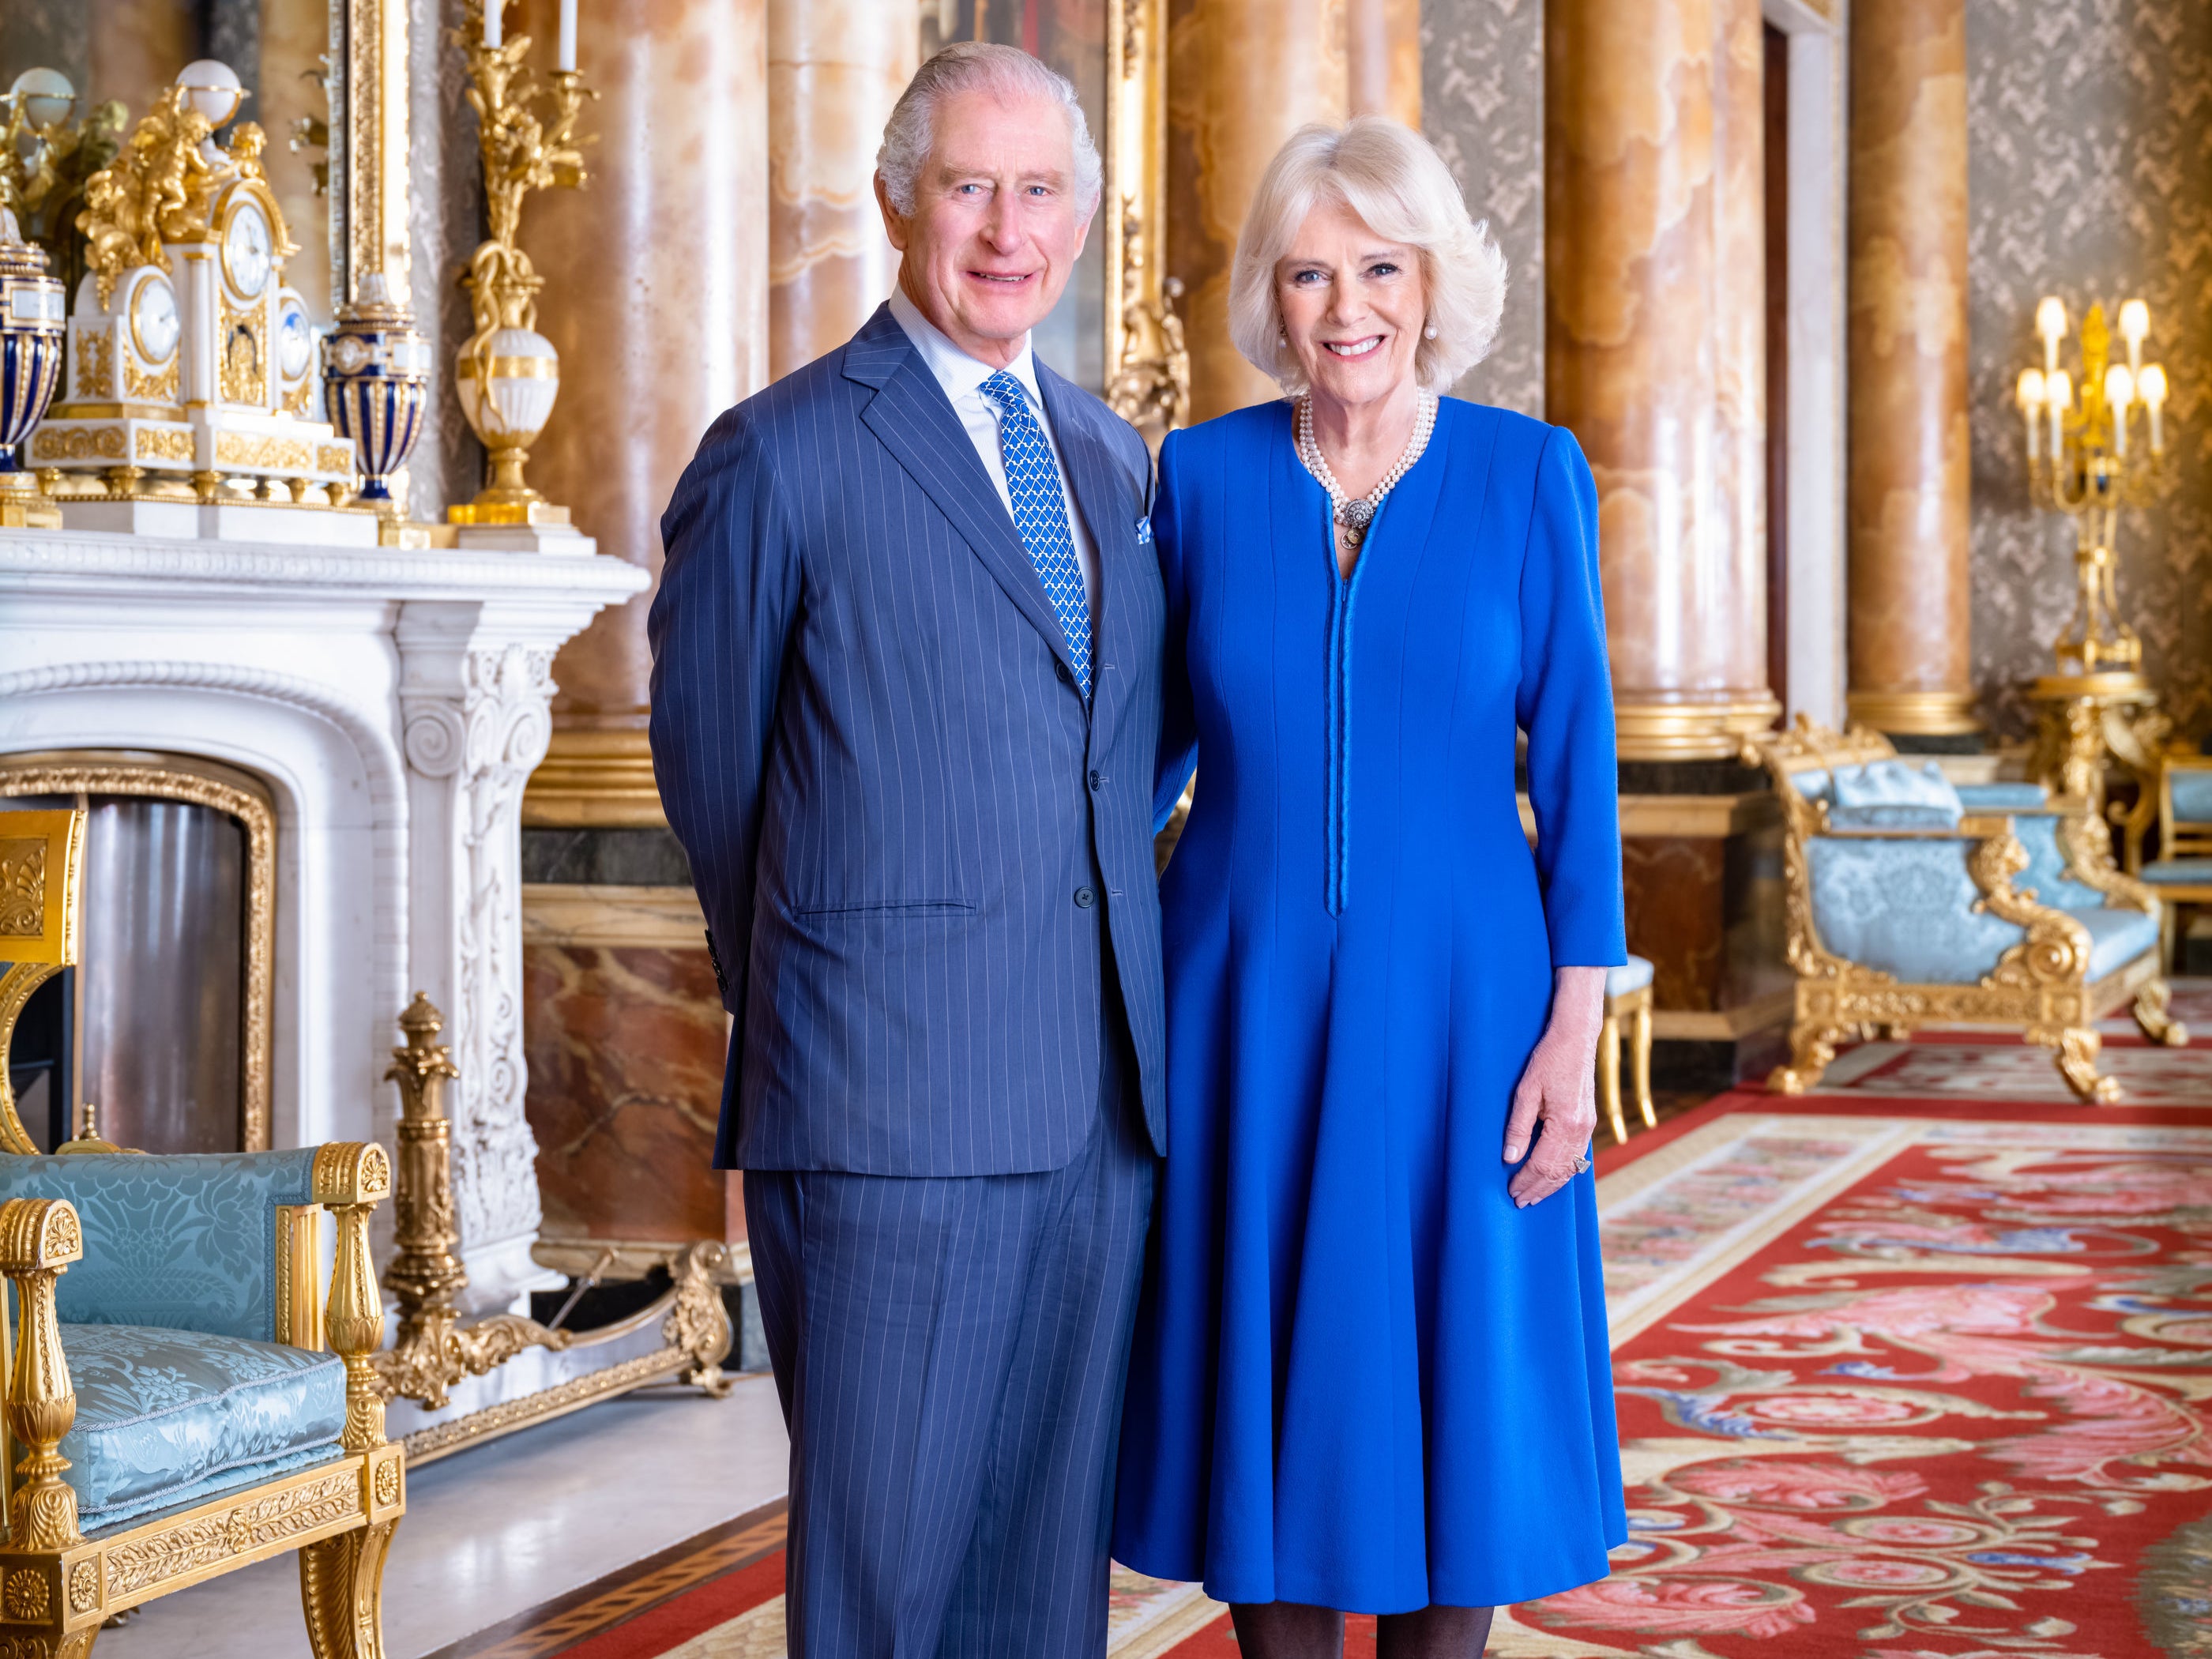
x,y
1482,104
2090,137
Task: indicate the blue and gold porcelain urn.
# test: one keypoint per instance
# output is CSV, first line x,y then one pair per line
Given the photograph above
x,y
32,322
376,385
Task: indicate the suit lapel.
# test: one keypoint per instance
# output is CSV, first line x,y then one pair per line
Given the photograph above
x,y
1106,507
913,418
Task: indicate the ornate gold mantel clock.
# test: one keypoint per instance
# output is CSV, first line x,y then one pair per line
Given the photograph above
x,y
191,363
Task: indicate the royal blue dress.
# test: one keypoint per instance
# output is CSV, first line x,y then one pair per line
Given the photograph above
x,y
1362,1378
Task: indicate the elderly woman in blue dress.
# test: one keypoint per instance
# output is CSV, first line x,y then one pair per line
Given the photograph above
x,y
1370,1371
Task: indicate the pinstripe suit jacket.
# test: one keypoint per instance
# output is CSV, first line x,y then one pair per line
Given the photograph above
x,y
867,736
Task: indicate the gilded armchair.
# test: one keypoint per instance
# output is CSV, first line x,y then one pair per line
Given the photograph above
x,y
2181,872
1906,909
171,1412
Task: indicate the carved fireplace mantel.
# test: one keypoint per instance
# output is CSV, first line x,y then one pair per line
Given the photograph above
x,y
394,702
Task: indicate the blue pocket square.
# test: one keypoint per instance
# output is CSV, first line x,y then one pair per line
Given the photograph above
x,y
1145,532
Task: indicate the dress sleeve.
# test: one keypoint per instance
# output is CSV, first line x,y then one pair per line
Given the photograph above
x,y
1178,746
1565,704
720,630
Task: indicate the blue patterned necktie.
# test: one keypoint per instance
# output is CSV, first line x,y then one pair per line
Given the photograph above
x,y
1040,516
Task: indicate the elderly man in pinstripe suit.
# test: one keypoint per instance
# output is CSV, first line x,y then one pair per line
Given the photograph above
x,y
905,697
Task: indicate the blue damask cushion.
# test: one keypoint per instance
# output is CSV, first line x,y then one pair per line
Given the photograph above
x,y
187,1242
167,1417
1897,783
1632,975
2003,797
2192,793
2178,872
1891,816
1906,906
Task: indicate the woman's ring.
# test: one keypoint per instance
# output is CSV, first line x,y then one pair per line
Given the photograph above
x,y
1582,1164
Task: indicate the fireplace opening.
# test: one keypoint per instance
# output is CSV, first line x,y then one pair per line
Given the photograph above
x,y
164,1024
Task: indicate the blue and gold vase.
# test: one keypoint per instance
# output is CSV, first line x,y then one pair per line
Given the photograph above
x,y
32,325
376,386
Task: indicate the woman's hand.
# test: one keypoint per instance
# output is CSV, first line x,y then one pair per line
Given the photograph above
x,y
1560,1087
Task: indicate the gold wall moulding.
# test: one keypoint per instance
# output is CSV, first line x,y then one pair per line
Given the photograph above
x,y
594,781
237,795
1683,729
1147,362
1915,714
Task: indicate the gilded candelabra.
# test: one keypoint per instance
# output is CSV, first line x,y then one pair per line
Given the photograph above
x,y
2085,460
508,375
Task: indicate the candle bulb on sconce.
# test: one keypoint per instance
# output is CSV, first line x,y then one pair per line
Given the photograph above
x,y
2119,395
2029,396
2134,323
2151,387
494,24
567,54
2058,398
2050,324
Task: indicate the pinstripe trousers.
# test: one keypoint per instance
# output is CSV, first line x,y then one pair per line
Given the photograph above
x,y
950,1354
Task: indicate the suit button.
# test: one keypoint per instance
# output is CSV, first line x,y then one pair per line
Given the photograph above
x,y
1066,674
1098,780
1084,898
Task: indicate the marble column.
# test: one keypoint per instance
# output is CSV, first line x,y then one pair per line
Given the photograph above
x,y
1911,473
1652,208
834,69
656,297
1242,76
1383,58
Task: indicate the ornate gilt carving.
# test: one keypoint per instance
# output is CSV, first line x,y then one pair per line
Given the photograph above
x,y
156,191
23,887
39,1238
433,1350
187,1549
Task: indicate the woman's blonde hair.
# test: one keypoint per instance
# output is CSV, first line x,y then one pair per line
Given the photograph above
x,y
1394,180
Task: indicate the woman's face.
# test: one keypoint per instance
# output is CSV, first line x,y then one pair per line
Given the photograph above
x,y
1353,304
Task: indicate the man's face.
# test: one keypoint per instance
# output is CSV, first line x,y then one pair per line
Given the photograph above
x,y
997,223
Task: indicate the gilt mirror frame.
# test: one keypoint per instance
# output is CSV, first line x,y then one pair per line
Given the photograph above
x,y
368,152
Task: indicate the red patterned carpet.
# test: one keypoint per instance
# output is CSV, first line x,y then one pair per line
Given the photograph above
x,y
1901,1377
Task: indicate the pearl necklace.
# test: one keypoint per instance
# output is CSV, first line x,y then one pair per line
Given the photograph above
x,y
1357,513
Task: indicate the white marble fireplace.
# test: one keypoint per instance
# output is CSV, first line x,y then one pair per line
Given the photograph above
x,y
394,702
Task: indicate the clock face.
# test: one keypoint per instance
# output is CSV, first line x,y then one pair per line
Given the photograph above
x,y
246,250
154,323
296,341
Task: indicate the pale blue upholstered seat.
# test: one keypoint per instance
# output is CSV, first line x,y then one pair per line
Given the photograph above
x,y
2177,872
168,1417
1632,975
169,1327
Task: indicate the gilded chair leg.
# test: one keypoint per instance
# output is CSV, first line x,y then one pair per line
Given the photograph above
x,y
1639,1052
1812,1046
1608,1074
2150,1014
2169,937
2076,1051
341,1592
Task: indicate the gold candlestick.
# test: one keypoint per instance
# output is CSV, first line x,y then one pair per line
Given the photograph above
x,y
2105,443
507,373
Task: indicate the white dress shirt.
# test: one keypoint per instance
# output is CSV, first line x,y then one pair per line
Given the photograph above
x,y
962,376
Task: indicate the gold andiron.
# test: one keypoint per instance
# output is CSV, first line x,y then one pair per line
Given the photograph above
x,y
508,375
2101,459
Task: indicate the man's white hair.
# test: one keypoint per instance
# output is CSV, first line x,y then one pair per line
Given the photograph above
x,y
978,66
1394,180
